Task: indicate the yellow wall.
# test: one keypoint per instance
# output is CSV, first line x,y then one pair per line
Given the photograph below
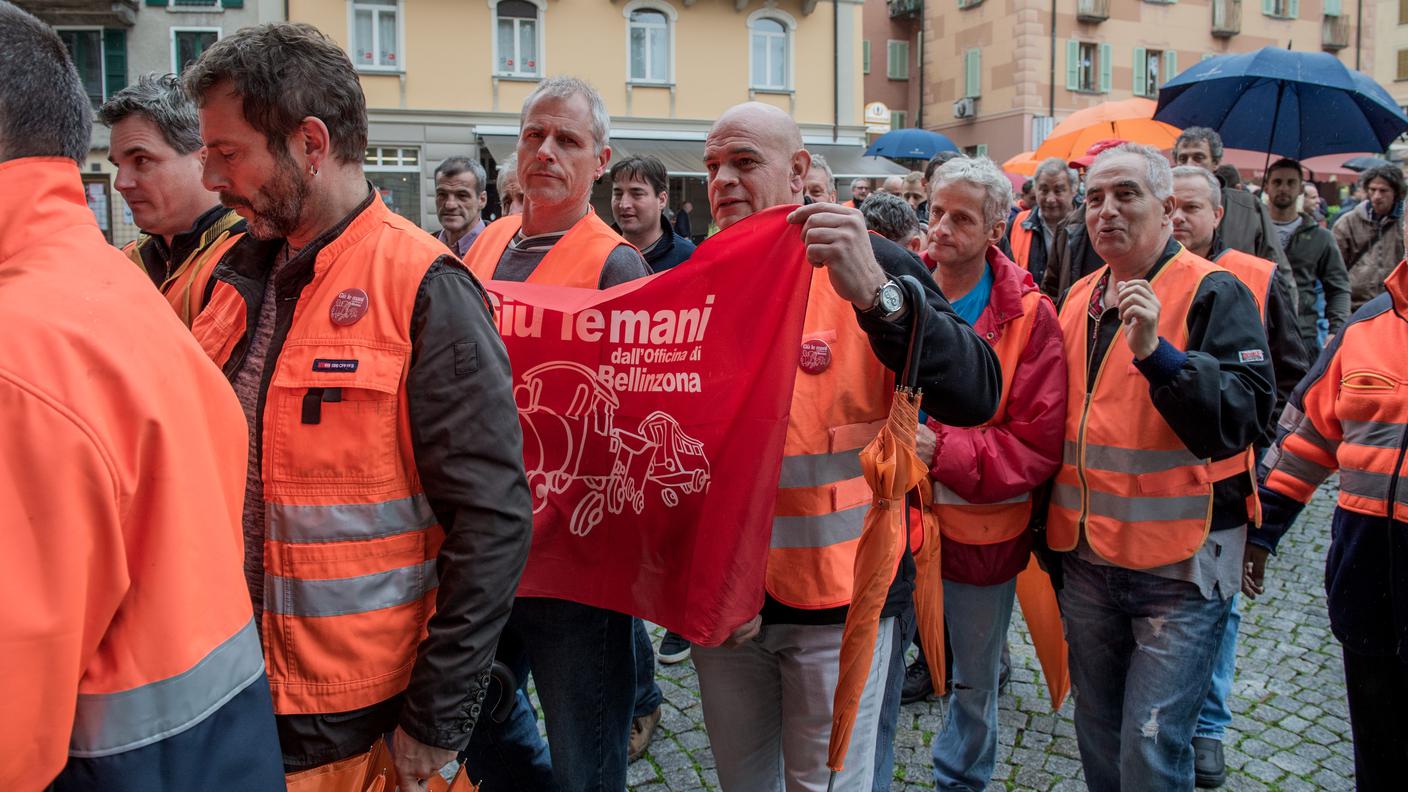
x,y
449,57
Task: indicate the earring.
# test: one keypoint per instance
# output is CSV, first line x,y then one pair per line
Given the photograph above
x,y
313,170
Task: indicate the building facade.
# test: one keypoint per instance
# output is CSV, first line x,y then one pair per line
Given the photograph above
x,y
1390,59
892,63
999,71
448,77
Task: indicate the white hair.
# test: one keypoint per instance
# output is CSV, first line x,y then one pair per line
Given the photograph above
x,y
1056,165
981,172
565,87
1157,171
1195,172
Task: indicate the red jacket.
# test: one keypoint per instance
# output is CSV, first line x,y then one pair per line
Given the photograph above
x,y
992,463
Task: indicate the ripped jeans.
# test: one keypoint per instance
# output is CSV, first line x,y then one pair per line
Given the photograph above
x,y
1141,649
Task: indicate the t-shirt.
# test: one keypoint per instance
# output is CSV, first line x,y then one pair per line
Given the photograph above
x,y
971,305
1284,230
524,254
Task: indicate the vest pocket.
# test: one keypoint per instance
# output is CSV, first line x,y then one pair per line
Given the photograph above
x,y
332,413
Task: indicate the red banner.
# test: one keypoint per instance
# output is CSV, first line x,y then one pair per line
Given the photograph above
x,y
654,415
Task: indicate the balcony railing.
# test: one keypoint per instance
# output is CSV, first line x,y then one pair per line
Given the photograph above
x,y
904,9
1092,10
1226,18
1334,33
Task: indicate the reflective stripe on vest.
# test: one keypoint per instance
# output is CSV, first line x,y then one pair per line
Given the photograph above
x,y
577,259
342,596
304,523
185,287
822,496
111,723
1126,480
1021,240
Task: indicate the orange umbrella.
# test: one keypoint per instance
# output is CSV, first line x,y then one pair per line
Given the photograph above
x,y
891,469
1131,120
1024,164
1043,616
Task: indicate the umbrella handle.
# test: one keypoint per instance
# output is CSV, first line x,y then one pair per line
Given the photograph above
x,y
919,316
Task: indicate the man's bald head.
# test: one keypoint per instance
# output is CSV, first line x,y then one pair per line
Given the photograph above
x,y
755,160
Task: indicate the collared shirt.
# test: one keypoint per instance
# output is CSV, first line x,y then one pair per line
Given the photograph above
x,y
462,246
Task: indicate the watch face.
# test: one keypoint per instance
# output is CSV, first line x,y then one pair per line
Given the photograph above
x,y
890,299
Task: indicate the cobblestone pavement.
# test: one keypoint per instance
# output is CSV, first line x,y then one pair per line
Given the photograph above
x,y
1290,728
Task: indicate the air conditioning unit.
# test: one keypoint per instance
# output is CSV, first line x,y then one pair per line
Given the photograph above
x,y
963,108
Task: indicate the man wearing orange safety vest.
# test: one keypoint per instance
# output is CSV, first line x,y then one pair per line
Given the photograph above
x,y
582,657
1032,235
1195,225
386,515
155,145
983,477
1169,384
1350,414
131,661
860,190
768,690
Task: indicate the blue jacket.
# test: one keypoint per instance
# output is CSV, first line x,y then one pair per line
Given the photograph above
x,y
672,248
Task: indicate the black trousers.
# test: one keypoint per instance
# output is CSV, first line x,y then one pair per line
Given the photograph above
x,y
314,740
1378,698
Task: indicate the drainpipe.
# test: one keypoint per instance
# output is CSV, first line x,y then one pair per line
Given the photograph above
x,y
835,70
923,20
1358,31
1051,79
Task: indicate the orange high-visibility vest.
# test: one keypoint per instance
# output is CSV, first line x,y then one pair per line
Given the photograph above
x,y
185,287
1254,272
991,523
576,260
1021,240
840,400
350,574
1142,499
127,626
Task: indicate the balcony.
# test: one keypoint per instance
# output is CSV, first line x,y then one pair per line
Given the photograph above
x,y
1092,10
96,13
1334,33
905,9
1226,18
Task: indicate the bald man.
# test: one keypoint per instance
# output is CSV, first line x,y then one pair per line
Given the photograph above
x,y
767,691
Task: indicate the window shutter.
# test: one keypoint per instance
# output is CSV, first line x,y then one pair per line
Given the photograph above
x,y
1403,12
1268,7
973,73
1072,65
1293,9
1140,70
157,2
1105,57
1403,64
865,57
1332,7
897,60
232,3
1170,65
114,60
982,150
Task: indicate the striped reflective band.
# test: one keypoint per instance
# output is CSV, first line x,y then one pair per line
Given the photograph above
x,y
1370,485
301,524
815,470
1118,507
342,596
822,530
1292,464
1377,434
943,496
1130,460
1293,420
110,723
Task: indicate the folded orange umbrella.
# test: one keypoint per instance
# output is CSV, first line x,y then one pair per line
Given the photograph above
x,y
1130,119
373,771
1023,164
1043,616
929,593
891,469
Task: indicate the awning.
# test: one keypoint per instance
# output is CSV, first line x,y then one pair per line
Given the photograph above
x,y
500,146
849,162
681,157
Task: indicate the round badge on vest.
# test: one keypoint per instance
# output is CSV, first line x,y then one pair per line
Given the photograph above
x,y
348,307
815,357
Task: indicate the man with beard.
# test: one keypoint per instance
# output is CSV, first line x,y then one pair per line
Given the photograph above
x,y
385,463
155,144
1370,237
459,198
1032,232
1311,249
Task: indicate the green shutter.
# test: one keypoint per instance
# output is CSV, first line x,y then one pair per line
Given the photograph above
x,y
232,3
865,57
1170,65
1268,7
1332,7
156,2
1072,65
114,60
897,60
1293,9
982,150
972,73
1141,64
1106,56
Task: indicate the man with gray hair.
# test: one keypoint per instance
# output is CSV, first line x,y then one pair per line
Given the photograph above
x,y
582,657
1032,234
820,184
891,217
459,199
860,190
1170,384
509,189
156,148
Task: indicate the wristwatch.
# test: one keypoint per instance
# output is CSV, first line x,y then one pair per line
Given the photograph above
x,y
889,300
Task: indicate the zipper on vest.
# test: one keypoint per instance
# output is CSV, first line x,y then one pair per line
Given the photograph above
x,y
1080,433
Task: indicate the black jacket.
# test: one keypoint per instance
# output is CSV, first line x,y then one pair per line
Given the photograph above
x,y
670,250
1315,258
468,452
1038,255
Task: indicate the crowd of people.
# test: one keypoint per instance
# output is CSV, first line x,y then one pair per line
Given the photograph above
x,y
284,516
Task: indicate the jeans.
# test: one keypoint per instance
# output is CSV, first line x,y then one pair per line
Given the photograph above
x,y
768,705
648,695
965,750
1378,694
1142,649
583,663
905,625
1216,713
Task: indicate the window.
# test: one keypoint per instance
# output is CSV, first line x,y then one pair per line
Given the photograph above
x,y
865,55
1282,9
516,45
980,150
973,73
898,120
86,49
376,35
770,48
1402,65
1332,7
1087,67
897,60
1147,63
649,35
187,44
395,173
1403,12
